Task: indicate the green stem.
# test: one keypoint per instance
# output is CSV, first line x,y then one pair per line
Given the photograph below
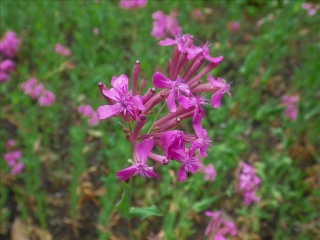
x,y
129,204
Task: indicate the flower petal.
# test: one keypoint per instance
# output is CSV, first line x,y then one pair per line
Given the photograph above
x,y
161,81
171,101
126,173
167,42
107,111
144,148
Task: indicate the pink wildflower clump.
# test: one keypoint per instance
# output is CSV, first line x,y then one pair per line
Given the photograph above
x,y
12,157
310,8
290,102
9,44
181,91
233,26
165,24
37,91
87,111
62,50
130,4
218,228
248,183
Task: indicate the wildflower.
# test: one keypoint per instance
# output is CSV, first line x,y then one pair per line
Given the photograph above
x,y
196,102
291,110
160,81
210,172
46,98
3,76
7,65
164,24
140,155
310,8
124,102
233,26
218,228
62,50
214,85
11,143
128,4
87,111
9,44
12,160
202,141
248,183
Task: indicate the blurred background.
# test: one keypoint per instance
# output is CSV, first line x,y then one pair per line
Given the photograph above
x,y
61,183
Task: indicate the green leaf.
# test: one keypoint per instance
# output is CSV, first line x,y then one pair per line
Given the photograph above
x,y
203,205
123,204
145,212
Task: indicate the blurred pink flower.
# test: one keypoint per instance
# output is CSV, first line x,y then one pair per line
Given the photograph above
x,y
11,158
197,14
310,8
128,4
210,172
218,227
3,76
11,143
7,65
46,98
233,26
290,103
165,24
87,111
9,44
17,168
62,50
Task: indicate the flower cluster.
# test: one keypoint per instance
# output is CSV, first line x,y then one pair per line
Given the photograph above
x,y
12,158
165,24
218,228
37,91
129,4
181,89
248,183
290,102
9,46
310,8
87,111
62,50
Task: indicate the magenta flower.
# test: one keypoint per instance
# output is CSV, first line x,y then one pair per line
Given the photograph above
x,y
233,26
189,163
196,102
62,50
11,158
290,103
124,102
46,98
202,141
160,81
9,44
210,173
218,85
181,41
140,155
29,85
87,111
17,168
11,143
128,4
193,51
7,65
218,228
248,183
310,8
173,144
164,24
3,76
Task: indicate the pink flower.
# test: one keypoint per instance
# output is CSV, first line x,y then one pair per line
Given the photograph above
x,y
62,50
29,85
46,99
11,143
12,157
233,26
140,155
17,168
218,228
248,183
9,44
160,81
87,111
124,102
310,8
3,76
202,141
290,103
128,4
164,24
210,172
7,65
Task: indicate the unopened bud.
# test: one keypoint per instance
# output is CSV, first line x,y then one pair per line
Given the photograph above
x,y
135,77
141,120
